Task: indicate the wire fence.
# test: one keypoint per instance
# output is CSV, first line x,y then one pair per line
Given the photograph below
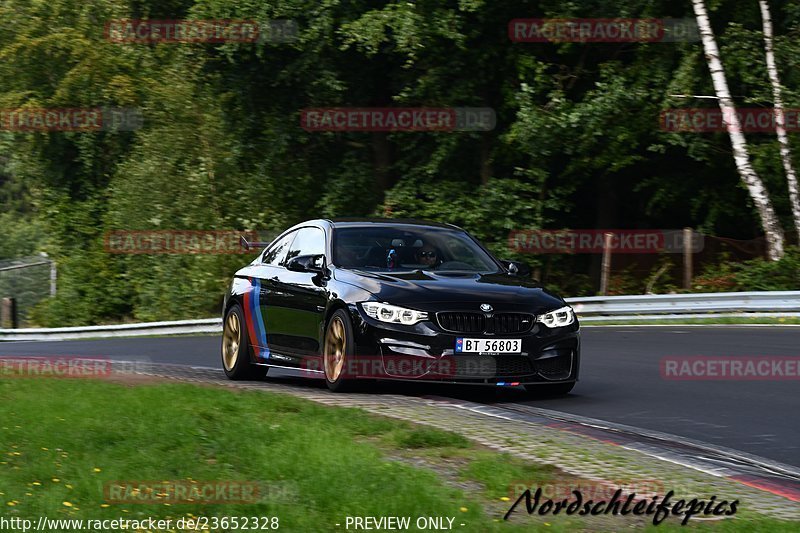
x,y
28,280
645,273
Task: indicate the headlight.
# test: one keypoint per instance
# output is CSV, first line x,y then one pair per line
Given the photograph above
x,y
393,314
558,318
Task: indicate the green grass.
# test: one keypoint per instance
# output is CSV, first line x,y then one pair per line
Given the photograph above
x,y
62,440
430,438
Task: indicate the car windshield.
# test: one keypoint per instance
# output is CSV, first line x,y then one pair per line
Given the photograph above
x,y
394,248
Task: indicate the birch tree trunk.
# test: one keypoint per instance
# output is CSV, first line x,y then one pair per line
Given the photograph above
x,y
769,221
780,118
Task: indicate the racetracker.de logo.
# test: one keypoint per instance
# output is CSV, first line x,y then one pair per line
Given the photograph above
x,y
406,367
597,30
56,366
592,241
138,31
744,120
177,241
739,368
559,489
182,492
398,119
75,119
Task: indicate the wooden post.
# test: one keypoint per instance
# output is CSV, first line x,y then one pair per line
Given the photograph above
x,y
53,277
687,258
8,313
605,270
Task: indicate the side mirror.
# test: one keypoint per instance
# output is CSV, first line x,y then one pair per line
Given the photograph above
x,y
307,263
517,268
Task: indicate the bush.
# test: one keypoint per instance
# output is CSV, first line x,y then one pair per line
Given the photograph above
x,y
754,275
765,275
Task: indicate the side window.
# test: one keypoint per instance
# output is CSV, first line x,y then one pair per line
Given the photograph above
x,y
277,253
309,241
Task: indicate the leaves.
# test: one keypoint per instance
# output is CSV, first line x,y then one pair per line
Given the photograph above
x,y
577,141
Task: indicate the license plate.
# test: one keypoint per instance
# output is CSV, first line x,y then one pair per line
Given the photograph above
x,y
464,345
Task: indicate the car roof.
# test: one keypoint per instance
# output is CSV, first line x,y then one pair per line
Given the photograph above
x,y
365,222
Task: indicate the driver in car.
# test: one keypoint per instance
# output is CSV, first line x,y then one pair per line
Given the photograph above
x,y
427,256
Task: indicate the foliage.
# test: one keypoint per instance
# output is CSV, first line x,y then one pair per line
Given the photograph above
x,y
577,142
762,275
753,275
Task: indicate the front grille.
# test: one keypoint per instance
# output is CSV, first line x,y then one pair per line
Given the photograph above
x,y
513,365
472,322
491,366
459,322
505,323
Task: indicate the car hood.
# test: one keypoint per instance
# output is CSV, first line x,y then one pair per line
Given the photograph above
x,y
452,288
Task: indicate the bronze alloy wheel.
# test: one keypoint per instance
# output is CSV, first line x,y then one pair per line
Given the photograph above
x,y
231,335
335,345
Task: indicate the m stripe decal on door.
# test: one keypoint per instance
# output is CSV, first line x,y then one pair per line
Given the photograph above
x,y
255,321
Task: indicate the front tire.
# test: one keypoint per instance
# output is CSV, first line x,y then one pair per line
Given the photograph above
x,y
236,348
337,351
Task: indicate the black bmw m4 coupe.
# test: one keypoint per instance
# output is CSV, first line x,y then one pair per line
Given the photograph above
x,y
373,299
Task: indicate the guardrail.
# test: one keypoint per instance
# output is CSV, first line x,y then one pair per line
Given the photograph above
x,y
177,327
701,305
592,309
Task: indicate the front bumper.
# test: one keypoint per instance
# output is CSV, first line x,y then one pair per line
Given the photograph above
x,y
547,356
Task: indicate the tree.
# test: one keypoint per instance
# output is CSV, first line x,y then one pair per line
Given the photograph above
x,y
780,118
755,187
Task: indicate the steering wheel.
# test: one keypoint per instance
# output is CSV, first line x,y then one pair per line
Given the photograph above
x,y
454,265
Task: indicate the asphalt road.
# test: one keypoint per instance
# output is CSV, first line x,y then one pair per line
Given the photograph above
x,y
620,381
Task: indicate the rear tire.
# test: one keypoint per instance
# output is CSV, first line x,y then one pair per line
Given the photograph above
x,y
549,391
236,359
337,351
